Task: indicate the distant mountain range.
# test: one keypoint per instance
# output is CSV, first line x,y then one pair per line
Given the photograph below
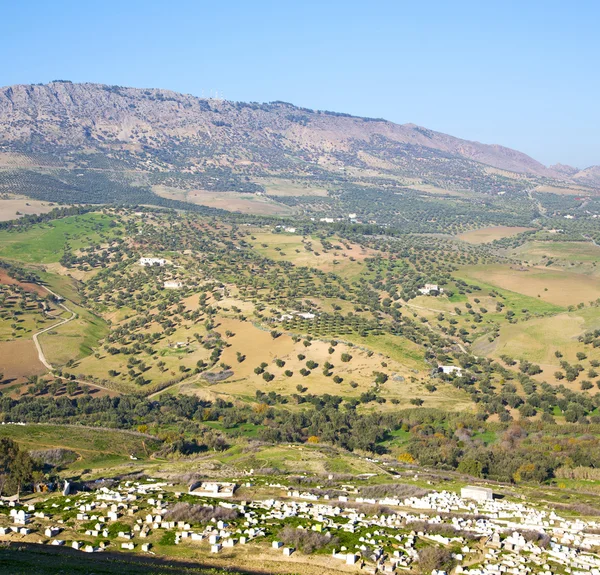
x,y
150,136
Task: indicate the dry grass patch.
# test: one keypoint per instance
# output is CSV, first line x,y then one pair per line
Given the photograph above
x,y
230,201
19,359
486,235
553,286
14,208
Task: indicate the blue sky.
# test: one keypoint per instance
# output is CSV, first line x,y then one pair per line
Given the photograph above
x,y
521,74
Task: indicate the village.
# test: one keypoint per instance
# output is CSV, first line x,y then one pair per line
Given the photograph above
x,y
480,533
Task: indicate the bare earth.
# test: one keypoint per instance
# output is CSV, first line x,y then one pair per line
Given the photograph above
x,y
9,208
19,359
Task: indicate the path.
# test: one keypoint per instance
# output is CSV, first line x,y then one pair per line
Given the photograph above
x,y
41,355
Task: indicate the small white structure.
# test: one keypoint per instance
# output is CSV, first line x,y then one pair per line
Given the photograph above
x,y
152,262
477,493
287,551
450,369
213,489
351,559
431,288
173,284
290,230
277,544
306,315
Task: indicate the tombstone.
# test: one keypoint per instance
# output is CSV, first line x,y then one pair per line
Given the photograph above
x,y
66,488
287,551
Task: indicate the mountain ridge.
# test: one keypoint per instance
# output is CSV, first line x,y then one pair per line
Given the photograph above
x,y
159,129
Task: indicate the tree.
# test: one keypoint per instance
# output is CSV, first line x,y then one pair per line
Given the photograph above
x,y
21,470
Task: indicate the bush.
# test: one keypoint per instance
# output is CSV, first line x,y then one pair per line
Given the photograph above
x,y
305,540
432,558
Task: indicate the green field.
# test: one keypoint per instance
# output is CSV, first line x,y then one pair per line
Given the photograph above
x,y
95,447
45,243
537,339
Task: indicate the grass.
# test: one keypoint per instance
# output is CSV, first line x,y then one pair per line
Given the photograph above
x,y
569,251
46,243
537,339
95,447
290,188
521,289
25,559
485,235
77,338
290,247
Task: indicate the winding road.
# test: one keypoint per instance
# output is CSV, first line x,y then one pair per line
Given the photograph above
x,y
41,355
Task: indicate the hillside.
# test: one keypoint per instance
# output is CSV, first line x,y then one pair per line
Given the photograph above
x,y
147,138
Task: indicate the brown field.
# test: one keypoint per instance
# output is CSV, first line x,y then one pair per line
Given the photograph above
x,y
485,235
25,206
258,346
19,359
553,286
34,288
337,260
230,201
281,187
571,190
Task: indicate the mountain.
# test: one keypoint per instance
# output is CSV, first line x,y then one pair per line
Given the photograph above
x,y
589,177
151,137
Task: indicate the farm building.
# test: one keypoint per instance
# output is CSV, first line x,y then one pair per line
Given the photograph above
x,y
477,493
152,262
450,369
431,288
172,284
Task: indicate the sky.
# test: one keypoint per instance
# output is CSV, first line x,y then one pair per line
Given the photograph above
x,y
521,74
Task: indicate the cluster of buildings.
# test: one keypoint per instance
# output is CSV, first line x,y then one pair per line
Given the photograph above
x,y
487,535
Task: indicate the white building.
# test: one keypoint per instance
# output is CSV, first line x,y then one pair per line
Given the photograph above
x,y
431,287
173,284
450,369
152,262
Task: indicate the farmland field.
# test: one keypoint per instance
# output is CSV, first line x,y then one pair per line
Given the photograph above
x,y
485,235
556,287
17,207
45,243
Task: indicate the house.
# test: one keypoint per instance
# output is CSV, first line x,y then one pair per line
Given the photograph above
x,y
306,315
431,288
450,369
213,489
173,284
152,262
290,230
477,493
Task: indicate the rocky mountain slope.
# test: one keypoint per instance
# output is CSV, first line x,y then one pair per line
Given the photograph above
x,y
215,144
